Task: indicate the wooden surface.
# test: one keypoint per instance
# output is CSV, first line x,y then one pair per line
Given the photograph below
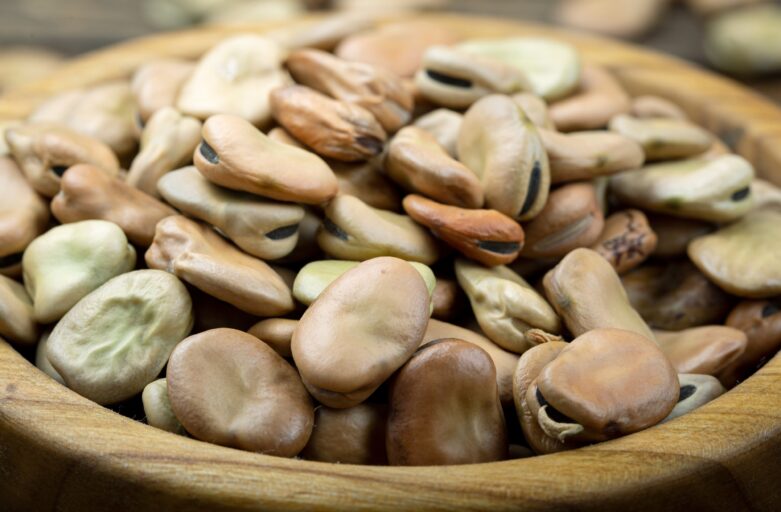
x,y
59,451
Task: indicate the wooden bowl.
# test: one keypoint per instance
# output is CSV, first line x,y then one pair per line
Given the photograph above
x,y
61,451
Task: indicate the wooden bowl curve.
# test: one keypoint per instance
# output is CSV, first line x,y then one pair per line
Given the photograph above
x,y
59,451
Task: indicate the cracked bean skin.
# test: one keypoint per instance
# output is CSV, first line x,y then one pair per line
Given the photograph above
x,y
263,228
597,100
379,91
45,150
606,383
360,330
196,254
761,321
445,382
331,128
229,388
235,155
626,240
487,236
353,230
156,84
417,162
587,294
707,350
571,218
510,312
86,192
586,155
696,391
502,147
24,216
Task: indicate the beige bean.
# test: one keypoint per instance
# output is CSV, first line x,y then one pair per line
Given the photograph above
x,y
276,333
349,436
499,144
156,84
573,399
86,192
587,294
157,407
649,106
766,195
417,162
199,256
675,296
535,108
626,240
663,138
117,339
167,143
616,19
696,390
331,128
377,90
761,321
599,98
706,350
715,190
745,41
362,309
235,77
105,112
504,361
510,312
570,219
397,47
263,228
235,155
42,361
69,261
356,231
44,151
742,258
445,408
23,216
487,236
16,313
229,388
585,155
443,125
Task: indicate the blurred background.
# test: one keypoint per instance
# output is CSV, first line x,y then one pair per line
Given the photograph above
x,y
741,38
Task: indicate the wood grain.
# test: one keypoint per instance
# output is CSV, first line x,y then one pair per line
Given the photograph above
x,y
58,451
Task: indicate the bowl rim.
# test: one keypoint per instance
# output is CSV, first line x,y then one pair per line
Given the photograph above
x,y
72,454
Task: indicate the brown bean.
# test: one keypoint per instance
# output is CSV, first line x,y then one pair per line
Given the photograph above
x,y
349,436
707,350
277,333
761,321
599,98
626,240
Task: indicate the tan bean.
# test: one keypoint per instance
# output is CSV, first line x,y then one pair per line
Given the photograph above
x,y
626,240
573,399
45,150
504,361
487,236
696,390
535,109
379,91
499,144
276,333
349,436
229,388
16,313
363,181
616,19
167,143
235,155
199,256
510,312
587,294
766,195
42,361
585,155
649,106
445,408
86,192
761,321
23,216
418,163
599,98
156,84
397,47
360,309
235,77
443,125
263,228
570,219
354,230
706,350
663,138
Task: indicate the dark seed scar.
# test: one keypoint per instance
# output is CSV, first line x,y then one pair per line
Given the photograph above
x,y
686,391
283,232
553,413
208,153
740,194
59,170
499,247
449,80
11,259
534,188
335,230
